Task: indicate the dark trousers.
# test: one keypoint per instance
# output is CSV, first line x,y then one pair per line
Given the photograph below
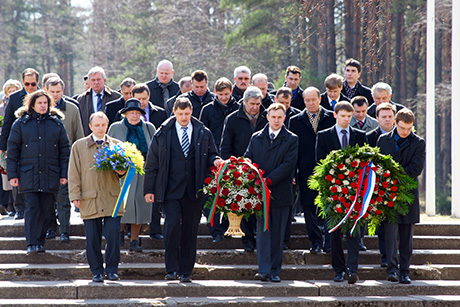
x,y
219,226
18,199
338,257
311,222
93,232
36,215
382,247
155,226
403,233
182,217
63,207
249,227
270,243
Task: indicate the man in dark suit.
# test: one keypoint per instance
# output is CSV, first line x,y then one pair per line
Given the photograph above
x,y
340,136
381,92
261,81
284,96
306,125
96,98
179,155
386,117
351,86
275,150
408,149
360,119
292,80
30,79
333,94
242,79
238,129
112,107
163,86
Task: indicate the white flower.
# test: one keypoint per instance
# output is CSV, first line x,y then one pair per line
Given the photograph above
x,y
331,171
346,182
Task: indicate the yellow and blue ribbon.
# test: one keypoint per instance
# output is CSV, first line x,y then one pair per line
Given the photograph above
x,y
124,192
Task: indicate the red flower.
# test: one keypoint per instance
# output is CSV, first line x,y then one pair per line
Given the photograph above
x,y
237,175
233,159
329,178
268,181
372,201
258,182
386,175
241,159
341,176
335,197
390,204
256,165
355,217
339,210
248,206
376,188
357,207
366,215
251,191
344,190
334,189
369,208
221,202
238,197
381,192
259,196
261,171
395,181
208,180
394,188
231,166
225,191
258,206
378,212
374,168
340,166
363,163
342,199
226,177
354,185
354,163
346,205
251,176
377,180
379,199
351,174
238,183
235,206
385,184
338,182
245,169
361,193
393,195
352,197
213,169
213,190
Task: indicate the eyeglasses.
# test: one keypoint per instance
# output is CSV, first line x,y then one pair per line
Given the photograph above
x,y
30,84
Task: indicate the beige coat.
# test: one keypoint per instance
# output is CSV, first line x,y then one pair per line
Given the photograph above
x,y
97,190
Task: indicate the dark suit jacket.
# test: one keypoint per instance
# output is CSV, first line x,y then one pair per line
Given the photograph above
x,y
86,105
373,136
325,101
291,112
156,93
411,156
278,160
328,140
157,115
9,118
371,111
197,104
112,108
306,161
361,91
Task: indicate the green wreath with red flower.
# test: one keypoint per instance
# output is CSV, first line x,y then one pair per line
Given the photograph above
x,y
337,178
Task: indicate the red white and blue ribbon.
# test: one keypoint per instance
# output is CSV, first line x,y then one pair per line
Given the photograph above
x,y
366,176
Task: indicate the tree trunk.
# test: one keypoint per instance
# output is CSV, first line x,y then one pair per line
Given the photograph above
x,y
349,18
331,50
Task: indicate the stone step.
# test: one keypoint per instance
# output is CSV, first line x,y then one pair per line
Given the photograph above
x,y
226,256
205,242
155,271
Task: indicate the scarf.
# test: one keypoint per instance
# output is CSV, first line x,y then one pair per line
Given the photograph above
x,y
350,92
314,120
164,89
136,136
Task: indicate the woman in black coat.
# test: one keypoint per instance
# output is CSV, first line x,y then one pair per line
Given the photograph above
x,y
38,157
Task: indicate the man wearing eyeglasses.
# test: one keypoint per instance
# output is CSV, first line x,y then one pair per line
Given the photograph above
x,y
30,79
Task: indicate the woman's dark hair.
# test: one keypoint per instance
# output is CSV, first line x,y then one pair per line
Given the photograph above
x,y
30,100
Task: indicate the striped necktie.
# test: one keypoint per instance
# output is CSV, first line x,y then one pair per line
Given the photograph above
x,y
99,102
185,144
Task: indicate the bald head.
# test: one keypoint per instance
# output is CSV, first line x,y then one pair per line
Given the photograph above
x,y
165,71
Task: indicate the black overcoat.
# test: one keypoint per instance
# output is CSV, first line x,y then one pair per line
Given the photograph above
x,y
325,101
156,92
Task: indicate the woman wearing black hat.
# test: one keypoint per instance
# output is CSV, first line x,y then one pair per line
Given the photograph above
x,y
132,128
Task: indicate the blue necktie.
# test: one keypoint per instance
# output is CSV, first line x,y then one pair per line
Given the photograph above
x,y
185,144
344,138
333,102
99,102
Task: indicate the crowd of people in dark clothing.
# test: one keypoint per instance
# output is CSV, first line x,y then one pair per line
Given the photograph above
x,y
48,139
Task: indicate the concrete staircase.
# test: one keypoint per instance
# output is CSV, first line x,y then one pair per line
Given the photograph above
x,y
224,274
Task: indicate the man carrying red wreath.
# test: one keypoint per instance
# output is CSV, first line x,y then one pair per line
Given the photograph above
x,y
274,149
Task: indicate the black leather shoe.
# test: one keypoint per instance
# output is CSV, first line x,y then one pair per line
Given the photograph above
x,y
217,239
249,249
12,213
32,249
327,250
65,238
113,276
98,278
185,278
404,280
352,279
41,249
50,234
285,247
157,237
135,247
275,278
384,264
315,250
262,277
339,277
19,215
171,276
392,277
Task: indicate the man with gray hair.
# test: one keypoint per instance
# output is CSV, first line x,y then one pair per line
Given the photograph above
x,y
261,81
96,97
163,86
381,92
238,129
242,78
